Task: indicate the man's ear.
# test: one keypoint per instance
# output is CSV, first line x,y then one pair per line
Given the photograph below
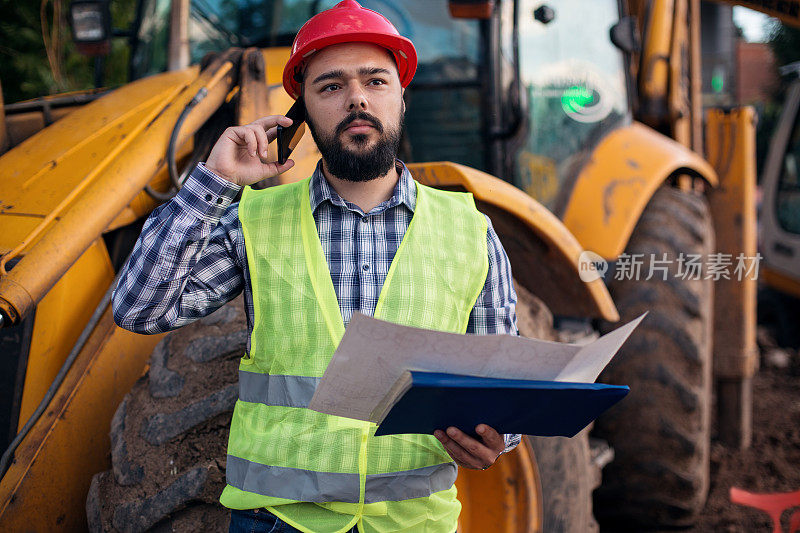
x,y
403,98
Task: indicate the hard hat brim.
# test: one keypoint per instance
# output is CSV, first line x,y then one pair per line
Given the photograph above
x,y
402,48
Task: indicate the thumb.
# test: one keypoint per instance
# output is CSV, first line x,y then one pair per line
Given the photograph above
x,y
272,169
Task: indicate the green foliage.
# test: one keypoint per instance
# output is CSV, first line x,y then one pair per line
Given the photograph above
x,y
24,69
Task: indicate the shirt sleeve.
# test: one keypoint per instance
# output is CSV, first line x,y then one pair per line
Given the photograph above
x,y
185,263
494,312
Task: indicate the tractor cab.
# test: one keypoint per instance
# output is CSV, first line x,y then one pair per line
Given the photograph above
x,y
780,206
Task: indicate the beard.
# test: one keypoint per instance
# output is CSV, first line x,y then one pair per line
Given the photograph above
x,y
364,165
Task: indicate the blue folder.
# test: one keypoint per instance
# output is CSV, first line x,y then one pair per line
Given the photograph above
x,y
543,408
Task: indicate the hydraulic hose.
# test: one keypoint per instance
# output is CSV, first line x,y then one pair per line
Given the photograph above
x,y
175,178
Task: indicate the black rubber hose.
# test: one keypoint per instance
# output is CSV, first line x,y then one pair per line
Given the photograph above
x,y
175,178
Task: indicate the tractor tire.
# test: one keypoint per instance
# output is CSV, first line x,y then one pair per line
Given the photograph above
x,y
660,433
568,476
568,472
169,434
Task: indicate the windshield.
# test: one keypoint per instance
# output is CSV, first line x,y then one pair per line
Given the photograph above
x,y
443,117
216,25
574,81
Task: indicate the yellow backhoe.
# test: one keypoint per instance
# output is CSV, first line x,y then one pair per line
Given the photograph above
x,y
576,125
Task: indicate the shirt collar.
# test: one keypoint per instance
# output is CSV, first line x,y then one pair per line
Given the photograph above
x,y
405,191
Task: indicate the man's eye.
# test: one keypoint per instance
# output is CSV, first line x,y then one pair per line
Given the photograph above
x,y
379,82
331,86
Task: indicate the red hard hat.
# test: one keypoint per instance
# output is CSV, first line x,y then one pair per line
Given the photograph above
x,y
348,22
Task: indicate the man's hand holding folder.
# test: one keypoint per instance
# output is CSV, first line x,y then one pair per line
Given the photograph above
x,y
469,452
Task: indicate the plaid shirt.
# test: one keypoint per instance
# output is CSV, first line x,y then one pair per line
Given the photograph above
x,y
190,258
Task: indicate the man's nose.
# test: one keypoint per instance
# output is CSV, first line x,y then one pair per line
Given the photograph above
x,y
356,97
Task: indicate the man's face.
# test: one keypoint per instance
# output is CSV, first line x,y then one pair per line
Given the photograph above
x,y
354,108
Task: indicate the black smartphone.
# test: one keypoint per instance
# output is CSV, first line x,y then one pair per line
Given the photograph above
x,y
289,137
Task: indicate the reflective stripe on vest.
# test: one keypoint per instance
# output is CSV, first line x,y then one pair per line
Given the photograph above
x,y
279,451
311,486
276,389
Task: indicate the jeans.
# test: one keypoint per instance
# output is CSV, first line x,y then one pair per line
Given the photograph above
x,y
261,521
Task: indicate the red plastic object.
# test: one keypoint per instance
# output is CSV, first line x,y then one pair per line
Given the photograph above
x,y
348,22
773,504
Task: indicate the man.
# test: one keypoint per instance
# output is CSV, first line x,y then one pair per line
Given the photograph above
x,y
357,235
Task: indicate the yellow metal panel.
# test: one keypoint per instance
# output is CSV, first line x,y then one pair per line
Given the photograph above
x,y
654,74
143,204
253,95
60,318
45,175
544,254
678,103
45,487
695,104
23,125
506,498
668,70
731,147
52,167
21,224
113,179
781,281
275,59
614,187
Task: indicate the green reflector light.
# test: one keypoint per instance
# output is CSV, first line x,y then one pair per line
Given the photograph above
x,y
575,98
717,82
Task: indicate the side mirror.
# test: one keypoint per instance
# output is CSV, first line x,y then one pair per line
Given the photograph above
x,y
90,21
471,9
624,35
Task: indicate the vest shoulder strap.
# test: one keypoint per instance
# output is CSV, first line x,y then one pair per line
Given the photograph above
x,y
278,195
454,202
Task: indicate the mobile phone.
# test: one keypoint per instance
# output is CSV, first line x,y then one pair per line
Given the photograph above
x,y
288,137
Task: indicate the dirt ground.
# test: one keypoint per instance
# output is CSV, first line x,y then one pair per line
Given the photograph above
x,y
772,463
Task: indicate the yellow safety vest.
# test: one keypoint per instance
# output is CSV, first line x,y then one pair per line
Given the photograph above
x,y
323,473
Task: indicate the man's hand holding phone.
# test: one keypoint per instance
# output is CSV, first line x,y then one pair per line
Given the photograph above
x,y
240,154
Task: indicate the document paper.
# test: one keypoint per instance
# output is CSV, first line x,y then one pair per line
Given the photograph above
x,y
373,354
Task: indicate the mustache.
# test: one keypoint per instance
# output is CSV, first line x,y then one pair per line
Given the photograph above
x,y
360,115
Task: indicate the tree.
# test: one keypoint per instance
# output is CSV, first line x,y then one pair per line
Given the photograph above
x,y
25,69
